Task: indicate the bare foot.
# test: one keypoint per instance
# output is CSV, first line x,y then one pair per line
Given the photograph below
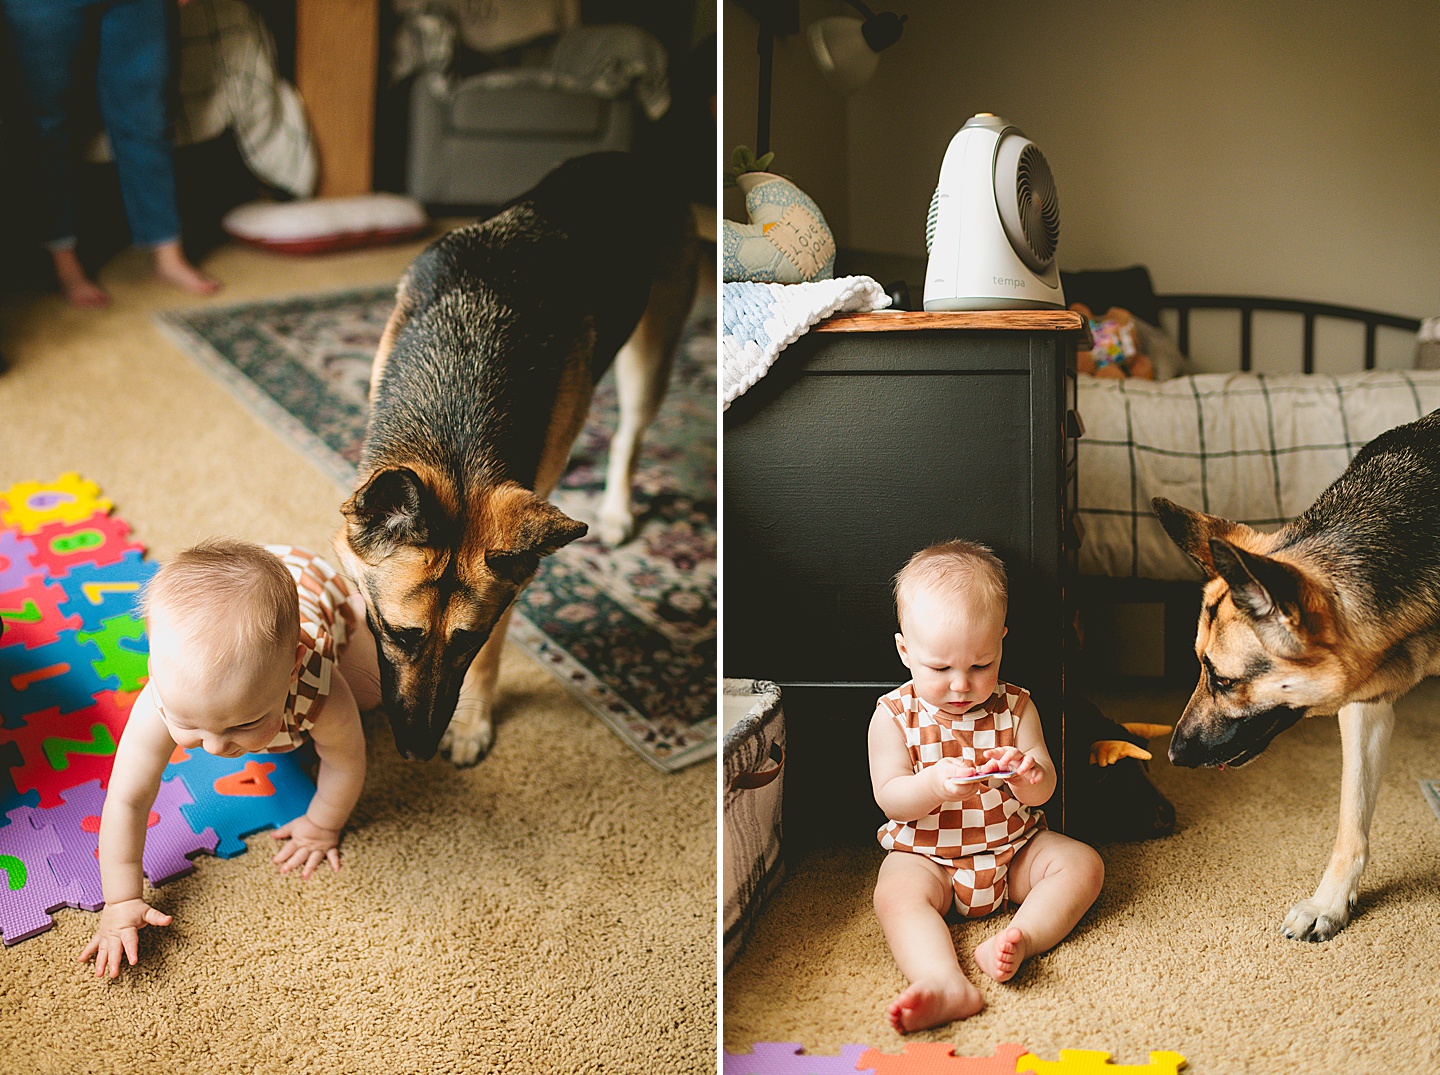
x,y
927,1004
1001,955
173,267
79,289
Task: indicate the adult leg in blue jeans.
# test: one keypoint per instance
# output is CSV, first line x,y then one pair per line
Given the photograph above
x,y
132,67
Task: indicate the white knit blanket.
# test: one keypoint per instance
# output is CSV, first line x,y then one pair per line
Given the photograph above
x,y
761,320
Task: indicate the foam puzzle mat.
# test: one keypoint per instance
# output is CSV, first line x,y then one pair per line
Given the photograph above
x,y
73,657
937,1058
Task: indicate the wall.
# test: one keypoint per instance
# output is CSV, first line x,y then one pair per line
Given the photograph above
x,y
808,120
1289,148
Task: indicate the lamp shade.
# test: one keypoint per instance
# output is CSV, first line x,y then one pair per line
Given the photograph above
x,y
841,51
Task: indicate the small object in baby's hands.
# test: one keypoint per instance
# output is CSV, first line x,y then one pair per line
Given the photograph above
x,y
979,777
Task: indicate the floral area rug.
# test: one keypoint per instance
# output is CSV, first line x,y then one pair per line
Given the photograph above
x,y
630,630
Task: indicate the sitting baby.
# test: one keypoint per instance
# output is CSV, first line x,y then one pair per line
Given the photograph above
x,y
976,844
251,649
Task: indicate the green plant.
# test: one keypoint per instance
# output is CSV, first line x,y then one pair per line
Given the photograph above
x,y
744,160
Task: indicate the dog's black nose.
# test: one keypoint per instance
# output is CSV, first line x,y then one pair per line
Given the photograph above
x,y
1189,753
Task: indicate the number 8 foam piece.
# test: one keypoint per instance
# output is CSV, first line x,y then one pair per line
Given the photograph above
x,y
100,540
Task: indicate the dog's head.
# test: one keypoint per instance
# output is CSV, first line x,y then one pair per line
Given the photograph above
x,y
437,569
1266,642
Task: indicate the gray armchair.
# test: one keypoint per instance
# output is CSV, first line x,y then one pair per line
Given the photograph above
x,y
479,144
484,139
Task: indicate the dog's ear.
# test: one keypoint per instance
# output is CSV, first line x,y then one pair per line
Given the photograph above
x,y
532,528
1270,593
386,512
1193,531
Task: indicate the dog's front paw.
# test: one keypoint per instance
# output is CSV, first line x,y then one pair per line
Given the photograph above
x,y
615,526
466,743
1311,920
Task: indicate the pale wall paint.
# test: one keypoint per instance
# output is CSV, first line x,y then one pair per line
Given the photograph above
x,y
1283,147
808,120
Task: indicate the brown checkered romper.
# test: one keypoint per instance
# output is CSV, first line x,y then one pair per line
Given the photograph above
x,y
326,624
974,838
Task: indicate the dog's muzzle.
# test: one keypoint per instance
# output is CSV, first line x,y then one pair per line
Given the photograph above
x,y
1238,742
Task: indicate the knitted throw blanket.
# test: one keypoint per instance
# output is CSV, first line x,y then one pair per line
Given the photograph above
x,y
761,320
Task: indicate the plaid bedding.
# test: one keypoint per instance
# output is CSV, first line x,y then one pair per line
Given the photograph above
x,y
1252,447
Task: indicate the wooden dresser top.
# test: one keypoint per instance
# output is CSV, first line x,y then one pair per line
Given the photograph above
x,y
910,320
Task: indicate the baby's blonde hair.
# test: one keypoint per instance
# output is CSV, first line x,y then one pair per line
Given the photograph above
x,y
966,572
235,601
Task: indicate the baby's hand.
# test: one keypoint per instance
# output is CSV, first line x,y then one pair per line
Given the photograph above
x,y
119,932
945,775
1011,760
309,846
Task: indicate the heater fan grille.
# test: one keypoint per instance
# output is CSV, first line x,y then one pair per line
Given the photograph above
x,y
1028,202
931,219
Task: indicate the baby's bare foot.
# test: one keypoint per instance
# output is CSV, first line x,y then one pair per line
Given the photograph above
x,y
927,1004
1001,955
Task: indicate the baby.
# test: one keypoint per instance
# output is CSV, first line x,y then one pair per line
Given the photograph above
x,y
251,649
952,840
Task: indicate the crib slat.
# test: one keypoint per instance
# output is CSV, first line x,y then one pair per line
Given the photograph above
x,y
1245,319
1370,345
1309,343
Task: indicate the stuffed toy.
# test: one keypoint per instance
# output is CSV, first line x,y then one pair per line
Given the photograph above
x,y
1112,798
785,240
1115,352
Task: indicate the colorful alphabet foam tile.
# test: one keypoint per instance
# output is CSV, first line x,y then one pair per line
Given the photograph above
x,y
788,1058
170,843
32,615
73,655
31,889
96,594
936,1058
240,796
1096,1062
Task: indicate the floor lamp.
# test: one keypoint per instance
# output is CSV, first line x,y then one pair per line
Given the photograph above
x,y
845,48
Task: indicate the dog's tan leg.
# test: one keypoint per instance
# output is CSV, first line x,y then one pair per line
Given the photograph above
x,y
1364,740
642,373
472,730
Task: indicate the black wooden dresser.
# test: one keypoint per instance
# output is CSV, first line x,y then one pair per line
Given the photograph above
x,y
873,436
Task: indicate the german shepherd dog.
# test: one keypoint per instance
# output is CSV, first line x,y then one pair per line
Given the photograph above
x,y
481,383
1337,612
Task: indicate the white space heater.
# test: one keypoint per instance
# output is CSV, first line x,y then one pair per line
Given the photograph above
x,y
994,223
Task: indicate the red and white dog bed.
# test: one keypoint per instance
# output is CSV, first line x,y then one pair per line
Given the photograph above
x,y
324,225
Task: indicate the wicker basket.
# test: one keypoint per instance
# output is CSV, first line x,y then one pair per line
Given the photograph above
x,y
754,750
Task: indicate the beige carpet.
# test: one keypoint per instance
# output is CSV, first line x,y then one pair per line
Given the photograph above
x,y
1182,951
552,910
